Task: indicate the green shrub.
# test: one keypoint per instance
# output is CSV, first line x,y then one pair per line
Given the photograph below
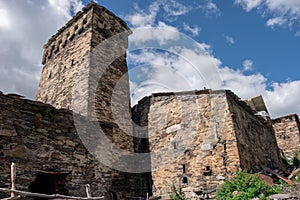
x,y
177,194
248,186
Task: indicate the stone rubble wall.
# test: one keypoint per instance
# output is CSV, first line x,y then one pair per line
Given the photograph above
x,y
255,137
287,131
41,139
185,131
197,139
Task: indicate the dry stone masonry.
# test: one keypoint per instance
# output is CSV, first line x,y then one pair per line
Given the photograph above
x,y
49,154
199,138
287,130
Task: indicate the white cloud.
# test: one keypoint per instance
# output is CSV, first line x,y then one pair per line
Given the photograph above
x,y
25,26
174,8
4,19
64,7
195,30
247,65
141,18
146,18
248,5
162,33
229,40
283,98
210,8
277,21
282,12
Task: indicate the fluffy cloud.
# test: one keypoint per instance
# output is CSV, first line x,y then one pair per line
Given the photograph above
x,y
247,65
248,5
145,18
210,9
277,21
25,27
195,30
282,12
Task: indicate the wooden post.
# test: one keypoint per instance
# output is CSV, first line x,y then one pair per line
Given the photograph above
x,y
13,178
88,190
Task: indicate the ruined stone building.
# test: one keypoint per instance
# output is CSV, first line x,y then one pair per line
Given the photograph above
x,y
193,138
201,137
287,131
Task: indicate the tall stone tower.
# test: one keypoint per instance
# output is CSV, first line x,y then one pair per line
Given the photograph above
x,y
85,71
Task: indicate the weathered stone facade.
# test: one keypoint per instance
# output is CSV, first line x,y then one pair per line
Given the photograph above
x,y
49,154
197,139
85,71
287,131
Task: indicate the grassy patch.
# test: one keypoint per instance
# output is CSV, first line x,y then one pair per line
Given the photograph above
x,y
246,186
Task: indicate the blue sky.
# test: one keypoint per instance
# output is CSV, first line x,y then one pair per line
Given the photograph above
x,y
273,50
252,45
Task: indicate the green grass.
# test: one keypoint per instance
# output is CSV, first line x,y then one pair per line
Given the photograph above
x,y
248,186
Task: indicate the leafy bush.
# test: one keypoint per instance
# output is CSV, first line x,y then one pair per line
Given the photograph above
x,y
247,186
178,194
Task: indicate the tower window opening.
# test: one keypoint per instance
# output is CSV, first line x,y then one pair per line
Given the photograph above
x,y
73,62
175,145
185,180
207,171
84,21
183,169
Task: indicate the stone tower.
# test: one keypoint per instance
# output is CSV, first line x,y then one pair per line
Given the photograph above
x,y
85,71
74,49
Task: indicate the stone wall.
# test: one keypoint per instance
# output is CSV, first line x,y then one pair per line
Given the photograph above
x,y
47,150
197,139
287,130
254,135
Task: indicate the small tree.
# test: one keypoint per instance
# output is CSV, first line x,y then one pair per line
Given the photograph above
x,y
177,194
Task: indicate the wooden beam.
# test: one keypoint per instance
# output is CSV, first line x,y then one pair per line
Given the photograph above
x,y
13,178
88,190
12,198
52,196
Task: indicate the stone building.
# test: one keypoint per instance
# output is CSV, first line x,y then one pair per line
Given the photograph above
x,y
198,138
287,131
